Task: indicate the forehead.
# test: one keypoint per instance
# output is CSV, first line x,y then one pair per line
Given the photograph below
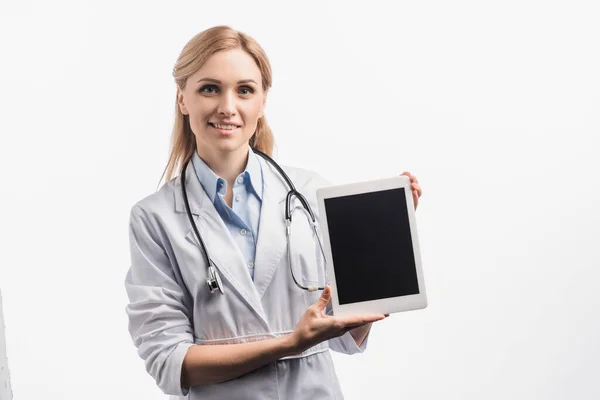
x,y
229,66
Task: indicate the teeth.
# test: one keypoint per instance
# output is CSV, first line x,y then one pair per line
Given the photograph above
x,y
225,127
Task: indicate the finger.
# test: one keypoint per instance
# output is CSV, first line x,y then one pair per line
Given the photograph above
x,y
325,298
350,327
417,192
360,320
415,186
415,199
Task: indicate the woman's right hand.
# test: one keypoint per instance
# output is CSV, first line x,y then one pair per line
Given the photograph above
x,y
315,327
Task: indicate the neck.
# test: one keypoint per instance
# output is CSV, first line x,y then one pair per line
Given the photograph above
x,y
226,164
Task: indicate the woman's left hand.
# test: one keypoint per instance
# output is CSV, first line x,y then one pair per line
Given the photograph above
x,y
414,185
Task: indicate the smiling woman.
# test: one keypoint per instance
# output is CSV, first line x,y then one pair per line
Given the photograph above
x,y
256,333
215,68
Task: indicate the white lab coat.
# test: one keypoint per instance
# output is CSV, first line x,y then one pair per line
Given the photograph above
x,y
170,307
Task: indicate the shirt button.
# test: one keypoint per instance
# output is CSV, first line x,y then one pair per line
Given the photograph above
x,y
251,264
240,179
243,232
238,197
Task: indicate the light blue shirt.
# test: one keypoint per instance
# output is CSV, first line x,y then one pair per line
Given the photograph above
x,y
243,219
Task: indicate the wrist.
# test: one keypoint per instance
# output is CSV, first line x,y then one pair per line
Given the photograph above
x,y
289,345
360,333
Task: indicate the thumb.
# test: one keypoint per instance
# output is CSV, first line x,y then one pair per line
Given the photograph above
x,y
325,298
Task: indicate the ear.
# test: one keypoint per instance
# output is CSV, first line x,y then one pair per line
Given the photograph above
x,y
181,103
263,105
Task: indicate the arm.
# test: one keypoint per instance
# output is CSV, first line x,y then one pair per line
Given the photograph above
x,y
205,365
359,334
159,320
211,364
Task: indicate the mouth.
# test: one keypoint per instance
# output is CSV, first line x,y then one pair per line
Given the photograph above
x,y
226,128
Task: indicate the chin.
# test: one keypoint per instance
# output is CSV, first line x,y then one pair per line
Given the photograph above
x,y
230,144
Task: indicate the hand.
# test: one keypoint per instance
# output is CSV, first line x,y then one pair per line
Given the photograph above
x,y
315,327
416,189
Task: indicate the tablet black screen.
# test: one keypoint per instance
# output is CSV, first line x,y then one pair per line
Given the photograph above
x,y
371,246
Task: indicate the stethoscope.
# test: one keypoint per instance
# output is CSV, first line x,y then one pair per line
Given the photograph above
x,y
213,279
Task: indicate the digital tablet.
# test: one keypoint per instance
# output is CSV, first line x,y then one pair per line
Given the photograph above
x,y
371,247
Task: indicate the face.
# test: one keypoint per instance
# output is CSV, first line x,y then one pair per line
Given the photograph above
x,y
224,100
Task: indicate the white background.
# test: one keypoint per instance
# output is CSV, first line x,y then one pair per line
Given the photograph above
x,y
495,106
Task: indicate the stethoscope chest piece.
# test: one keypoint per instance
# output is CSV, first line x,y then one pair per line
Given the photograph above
x,y
214,280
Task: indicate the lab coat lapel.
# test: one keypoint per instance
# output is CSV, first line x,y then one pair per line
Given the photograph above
x,y
271,243
219,243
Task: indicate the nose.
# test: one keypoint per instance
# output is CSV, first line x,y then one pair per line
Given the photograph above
x,y
227,104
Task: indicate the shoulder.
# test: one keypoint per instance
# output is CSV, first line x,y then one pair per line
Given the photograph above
x,y
307,182
158,203
304,178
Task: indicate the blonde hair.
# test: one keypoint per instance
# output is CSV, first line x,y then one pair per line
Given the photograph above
x,y
193,56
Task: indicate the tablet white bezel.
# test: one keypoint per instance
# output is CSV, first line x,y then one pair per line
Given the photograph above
x,y
381,306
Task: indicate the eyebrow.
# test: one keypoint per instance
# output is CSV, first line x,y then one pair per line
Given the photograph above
x,y
219,82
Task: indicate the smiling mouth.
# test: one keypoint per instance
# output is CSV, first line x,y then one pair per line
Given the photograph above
x,y
224,127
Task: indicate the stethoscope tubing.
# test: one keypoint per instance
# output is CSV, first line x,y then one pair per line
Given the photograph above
x,y
213,280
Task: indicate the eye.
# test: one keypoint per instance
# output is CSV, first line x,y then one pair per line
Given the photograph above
x,y
209,89
246,90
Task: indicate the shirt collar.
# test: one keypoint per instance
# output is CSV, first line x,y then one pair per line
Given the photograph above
x,y
254,172
211,182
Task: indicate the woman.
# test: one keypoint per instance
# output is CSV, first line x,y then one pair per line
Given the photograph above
x,y
263,337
